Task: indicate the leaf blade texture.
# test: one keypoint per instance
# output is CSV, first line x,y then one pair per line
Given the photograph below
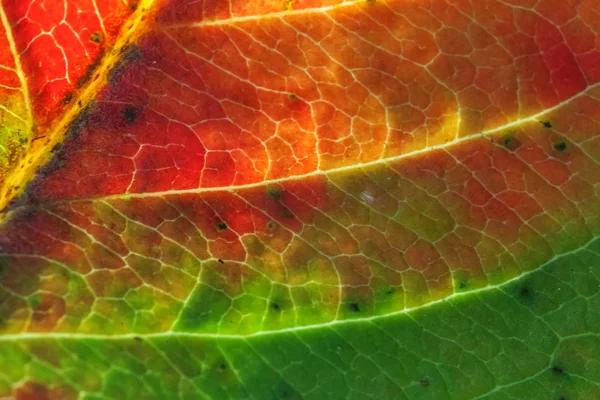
x,y
321,199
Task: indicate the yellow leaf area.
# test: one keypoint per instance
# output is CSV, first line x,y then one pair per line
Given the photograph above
x,y
260,166
15,112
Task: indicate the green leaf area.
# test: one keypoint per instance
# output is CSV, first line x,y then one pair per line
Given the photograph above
x,y
534,337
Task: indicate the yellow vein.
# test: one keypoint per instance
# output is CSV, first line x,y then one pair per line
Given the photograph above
x,y
326,325
259,17
18,66
316,173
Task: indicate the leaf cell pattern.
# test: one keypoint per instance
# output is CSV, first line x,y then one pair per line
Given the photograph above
x,y
305,199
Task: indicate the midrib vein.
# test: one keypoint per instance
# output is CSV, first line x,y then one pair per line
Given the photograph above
x,y
317,173
332,324
39,152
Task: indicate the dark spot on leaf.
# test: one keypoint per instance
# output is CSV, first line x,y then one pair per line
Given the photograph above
x,y
271,226
223,367
130,114
546,124
560,146
274,193
557,370
293,96
138,339
67,98
510,142
354,307
424,382
287,214
462,285
96,37
562,398
133,5
221,226
275,306
390,291
221,261
524,292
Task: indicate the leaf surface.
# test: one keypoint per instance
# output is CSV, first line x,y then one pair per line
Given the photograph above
x,y
318,199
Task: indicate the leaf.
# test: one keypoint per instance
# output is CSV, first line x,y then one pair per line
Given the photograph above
x,y
317,199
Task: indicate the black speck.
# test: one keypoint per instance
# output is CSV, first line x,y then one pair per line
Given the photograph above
x,y
275,306
546,124
562,398
424,382
462,285
524,292
223,367
221,261
390,291
221,226
561,146
138,339
130,114
293,96
354,307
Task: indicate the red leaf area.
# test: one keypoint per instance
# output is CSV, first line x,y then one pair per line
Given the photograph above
x,y
279,152
59,42
231,103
